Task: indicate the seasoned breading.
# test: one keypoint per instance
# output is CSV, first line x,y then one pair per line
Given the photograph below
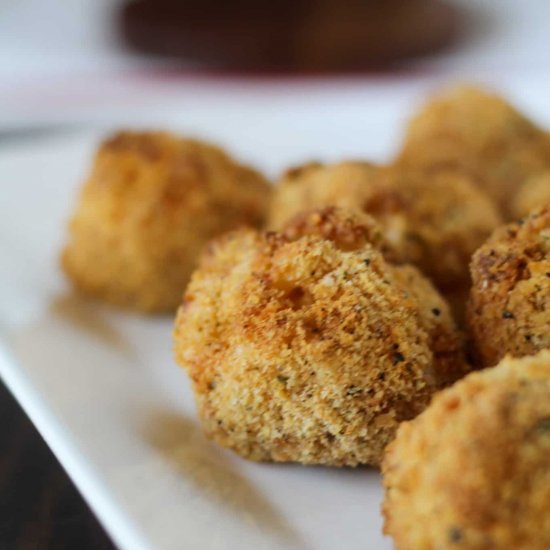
x,y
509,306
473,470
445,341
150,204
352,230
315,185
349,229
307,348
435,221
481,134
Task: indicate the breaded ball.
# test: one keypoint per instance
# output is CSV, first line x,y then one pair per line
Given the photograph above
x,y
473,470
481,134
150,204
445,341
353,230
349,229
509,307
433,221
300,350
316,185
533,194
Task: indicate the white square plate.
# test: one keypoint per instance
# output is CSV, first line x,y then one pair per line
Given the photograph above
x,y
101,385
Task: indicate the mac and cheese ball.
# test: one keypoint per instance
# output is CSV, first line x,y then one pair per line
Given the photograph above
x,y
473,471
434,221
306,348
509,306
481,134
149,205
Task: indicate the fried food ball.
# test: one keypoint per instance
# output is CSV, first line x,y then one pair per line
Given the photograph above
x,y
533,194
353,230
348,229
302,350
315,185
481,134
473,470
445,341
150,204
509,307
433,221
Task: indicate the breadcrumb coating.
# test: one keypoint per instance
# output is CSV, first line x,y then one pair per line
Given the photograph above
x,y
315,185
302,350
532,195
445,341
348,229
473,470
352,230
480,133
150,204
509,306
434,221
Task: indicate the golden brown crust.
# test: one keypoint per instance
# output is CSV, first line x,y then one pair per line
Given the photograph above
x,y
472,471
301,351
445,341
480,134
434,221
348,229
150,204
509,306
315,185
352,230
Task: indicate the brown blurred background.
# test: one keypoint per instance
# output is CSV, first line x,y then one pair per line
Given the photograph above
x,y
290,35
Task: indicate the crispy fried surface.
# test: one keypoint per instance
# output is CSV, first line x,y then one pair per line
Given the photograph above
x,y
302,350
434,221
509,307
150,204
473,470
532,195
316,185
445,342
349,229
352,230
481,134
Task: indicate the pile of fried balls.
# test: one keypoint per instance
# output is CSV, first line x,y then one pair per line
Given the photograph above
x,y
394,315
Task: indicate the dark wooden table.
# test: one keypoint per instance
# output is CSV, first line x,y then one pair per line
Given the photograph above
x,y
40,508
